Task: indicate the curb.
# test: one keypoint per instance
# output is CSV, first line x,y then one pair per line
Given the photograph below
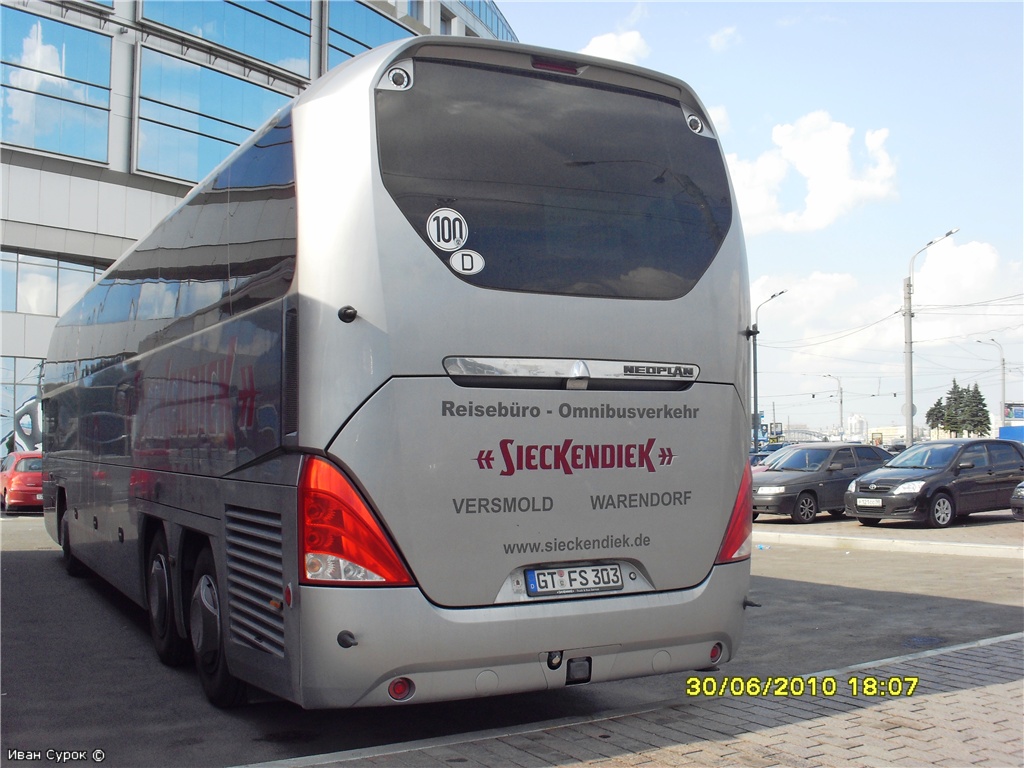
x,y
964,549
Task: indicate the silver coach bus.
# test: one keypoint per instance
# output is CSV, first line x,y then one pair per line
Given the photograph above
x,y
436,388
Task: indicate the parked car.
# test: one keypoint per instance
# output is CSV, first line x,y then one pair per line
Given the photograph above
x,y
934,482
1017,503
21,481
811,477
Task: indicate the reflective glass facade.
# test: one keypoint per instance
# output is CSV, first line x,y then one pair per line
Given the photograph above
x,y
191,117
110,113
40,285
56,86
487,11
274,31
354,28
19,386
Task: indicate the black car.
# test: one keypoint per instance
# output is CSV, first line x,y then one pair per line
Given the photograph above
x,y
1017,503
934,482
812,477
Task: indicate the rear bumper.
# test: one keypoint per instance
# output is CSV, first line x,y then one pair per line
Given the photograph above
x,y
465,653
31,498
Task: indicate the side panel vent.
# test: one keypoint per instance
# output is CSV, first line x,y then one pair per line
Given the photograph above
x,y
255,578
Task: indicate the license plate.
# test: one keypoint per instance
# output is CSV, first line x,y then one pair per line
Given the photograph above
x,y
573,580
869,502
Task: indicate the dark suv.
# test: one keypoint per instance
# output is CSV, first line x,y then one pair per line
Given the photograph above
x,y
934,482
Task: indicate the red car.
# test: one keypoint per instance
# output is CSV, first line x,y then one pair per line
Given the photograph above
x,y
21,482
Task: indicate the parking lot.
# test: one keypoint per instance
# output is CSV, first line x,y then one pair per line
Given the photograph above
x,y
967,706
838,602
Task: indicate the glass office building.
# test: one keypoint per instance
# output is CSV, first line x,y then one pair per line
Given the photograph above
x,y
113,109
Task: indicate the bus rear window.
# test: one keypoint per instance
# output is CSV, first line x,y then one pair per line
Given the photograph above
x,y
553,185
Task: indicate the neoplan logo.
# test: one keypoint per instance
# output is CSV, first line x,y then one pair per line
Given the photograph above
x,y
672,371
569,457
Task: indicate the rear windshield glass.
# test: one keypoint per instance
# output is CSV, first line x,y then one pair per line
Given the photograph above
x,y
553,185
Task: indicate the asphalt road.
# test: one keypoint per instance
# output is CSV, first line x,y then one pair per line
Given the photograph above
x,y
78,671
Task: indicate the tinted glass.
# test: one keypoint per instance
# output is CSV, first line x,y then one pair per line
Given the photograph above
x,y
19,383
193,264
30,465
192,117
1003,455
804,459
869,454
926,456
844,456
976,455
354,28
565,188
56,86
276,32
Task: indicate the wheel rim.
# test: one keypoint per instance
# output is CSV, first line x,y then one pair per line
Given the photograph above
x,y
807,509
159,588
943,511
205,615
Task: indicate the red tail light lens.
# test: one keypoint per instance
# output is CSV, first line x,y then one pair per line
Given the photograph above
x,y
736,545
340,540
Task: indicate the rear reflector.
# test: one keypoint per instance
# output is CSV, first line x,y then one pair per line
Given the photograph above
x,y
736,545
401,688
340,540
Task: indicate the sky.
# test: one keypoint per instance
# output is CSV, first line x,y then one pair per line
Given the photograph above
x,y
855,134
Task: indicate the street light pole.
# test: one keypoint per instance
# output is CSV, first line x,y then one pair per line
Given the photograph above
x,y
756,423
908,343
1002,392
842,428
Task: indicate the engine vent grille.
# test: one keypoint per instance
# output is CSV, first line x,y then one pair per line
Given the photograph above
x,y
255,578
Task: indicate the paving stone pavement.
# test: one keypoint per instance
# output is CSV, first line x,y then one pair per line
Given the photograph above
x,y
966,709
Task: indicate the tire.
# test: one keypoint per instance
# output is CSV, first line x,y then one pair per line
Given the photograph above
x,y
223,689
806,508
1018,514
755,515
72,564
870,522
171,648
941,511
837,512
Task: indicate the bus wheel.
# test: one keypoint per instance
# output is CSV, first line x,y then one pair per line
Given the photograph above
x,y
171,648
221,687
72,564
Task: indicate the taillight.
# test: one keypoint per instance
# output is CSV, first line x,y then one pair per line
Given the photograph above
x,y
340,541
737,542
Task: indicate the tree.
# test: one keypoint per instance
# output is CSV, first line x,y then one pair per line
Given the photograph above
x,y
935,414
963,411
976,419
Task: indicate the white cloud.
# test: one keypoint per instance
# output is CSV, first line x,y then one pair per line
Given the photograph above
x,y
724,39
850,325
43,73
628,47
720,118
819,150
